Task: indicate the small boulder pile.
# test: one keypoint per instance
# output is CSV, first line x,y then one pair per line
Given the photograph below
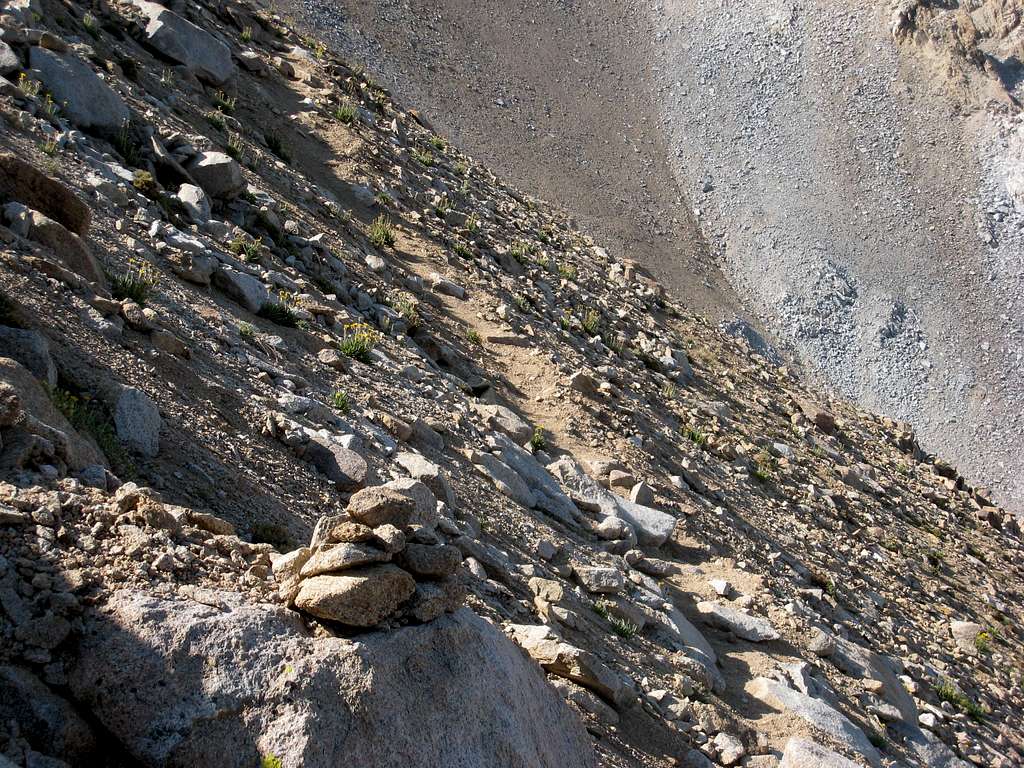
x,y
380,562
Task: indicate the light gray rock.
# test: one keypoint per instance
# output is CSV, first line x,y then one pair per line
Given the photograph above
x,y
243,288
560,658
427,472
964,633
152,672
817,713
9,61
600,580
861,663
694,645
652,526
360,597
425,512
84,98
744,625
804,753
549,495
505,479
218,174
504,420
182,41
137,420
195,202
32,350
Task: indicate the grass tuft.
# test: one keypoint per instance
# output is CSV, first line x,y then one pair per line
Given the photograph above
x,y
136,282
382,232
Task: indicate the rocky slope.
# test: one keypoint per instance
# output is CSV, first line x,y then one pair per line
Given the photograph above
x,y
847,167
321,444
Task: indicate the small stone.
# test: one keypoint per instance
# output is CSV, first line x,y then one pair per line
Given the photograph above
x,y
600,580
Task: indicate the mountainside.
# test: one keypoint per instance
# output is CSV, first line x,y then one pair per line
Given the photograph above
x,y
842,175
321,444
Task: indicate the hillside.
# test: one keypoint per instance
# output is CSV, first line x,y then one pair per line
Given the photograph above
x,y
320,444
840,175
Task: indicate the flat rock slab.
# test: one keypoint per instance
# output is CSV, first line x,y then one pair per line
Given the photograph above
x,y
804,753
336,462
182,41
744,625
245,289
137,420
84,98
28,185
339,557
599,580
819,714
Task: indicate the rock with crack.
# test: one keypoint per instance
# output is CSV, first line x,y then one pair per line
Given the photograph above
x,y
151,671
182,41
33,188
71,250
652,526
819,714
564,660
744,625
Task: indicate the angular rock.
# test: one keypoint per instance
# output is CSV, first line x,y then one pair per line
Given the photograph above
x,y
28,185
137,420
599,580
428,473
85,99
505,479
861,663
243,288
425,512
565,660
549,495
152,672
505,420
965,635
361,597
32,350
337,463
430,562
182,41
380,505
68,247
744,625
432,599
819,714
218,175
195,202
652,526
9,61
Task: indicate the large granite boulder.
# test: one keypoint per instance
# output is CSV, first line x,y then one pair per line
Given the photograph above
x,y
182,41
84,98
176,682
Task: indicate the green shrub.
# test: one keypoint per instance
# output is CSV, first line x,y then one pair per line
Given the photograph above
x,y
247,331
947,690
216,119
423,157
359,341
591,322
245,247
278,312
473,337
345,112
382,233
341,402
145,183
136,282
224,103
538,440
438,143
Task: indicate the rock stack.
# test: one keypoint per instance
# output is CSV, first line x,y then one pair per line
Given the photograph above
x,y
379,562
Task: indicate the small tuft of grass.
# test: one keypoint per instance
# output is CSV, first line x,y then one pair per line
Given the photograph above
x,y
247,331
697,437
246,34
235,149
621,627
345,112
406,305
443,207
91,25
382,232
28,86
276,145
538,440
50,147
591,322
983,642
438,143
278,312
947,690
341,402
88,416
216,119
358,342
225,103
567,271
462,168
245,247
462,250
472,223
136,282
423,157
127,144
474,338
146,184
522,301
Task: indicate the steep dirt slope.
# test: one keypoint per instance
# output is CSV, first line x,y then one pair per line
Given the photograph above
x,y
553,95
320,443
